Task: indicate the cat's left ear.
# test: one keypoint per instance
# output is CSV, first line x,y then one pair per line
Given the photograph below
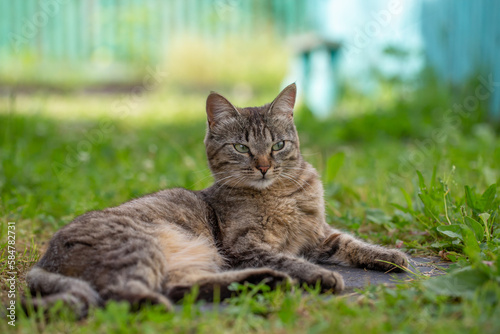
x,y
218,109
285,101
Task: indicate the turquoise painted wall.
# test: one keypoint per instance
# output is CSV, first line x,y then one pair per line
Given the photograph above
x,y
460,39
136,30
462,42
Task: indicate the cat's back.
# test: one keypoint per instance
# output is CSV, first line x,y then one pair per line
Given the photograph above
x,y
177,206
168,214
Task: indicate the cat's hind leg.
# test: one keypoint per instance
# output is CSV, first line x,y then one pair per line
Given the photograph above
x,y
48,288
208,283
135,291
194,260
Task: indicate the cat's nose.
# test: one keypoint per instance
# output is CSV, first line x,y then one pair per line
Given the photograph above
x,y
263,169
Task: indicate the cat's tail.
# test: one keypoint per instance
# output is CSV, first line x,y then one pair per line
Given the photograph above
x,y
48,288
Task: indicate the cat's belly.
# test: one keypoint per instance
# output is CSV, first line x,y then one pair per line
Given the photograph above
x,y
187,256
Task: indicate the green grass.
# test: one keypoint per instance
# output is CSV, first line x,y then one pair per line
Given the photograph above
x,y
59,159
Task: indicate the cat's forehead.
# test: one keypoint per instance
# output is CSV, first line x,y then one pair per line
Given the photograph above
x,y
252,112
259,121
254,116
257,128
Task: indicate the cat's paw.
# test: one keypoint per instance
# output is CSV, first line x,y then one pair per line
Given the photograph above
x,y
390,260
329,280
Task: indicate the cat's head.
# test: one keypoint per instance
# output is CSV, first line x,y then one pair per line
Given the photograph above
x,y
254,147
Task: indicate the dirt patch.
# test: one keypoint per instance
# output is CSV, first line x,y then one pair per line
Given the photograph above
x,y
357,278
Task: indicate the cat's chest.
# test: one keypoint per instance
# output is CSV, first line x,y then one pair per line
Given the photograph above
x,y
292,225
287,224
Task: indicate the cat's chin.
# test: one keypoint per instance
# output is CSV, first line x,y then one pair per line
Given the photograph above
x,y
262,183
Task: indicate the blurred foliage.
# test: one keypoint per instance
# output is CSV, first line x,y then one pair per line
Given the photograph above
x,y
191,63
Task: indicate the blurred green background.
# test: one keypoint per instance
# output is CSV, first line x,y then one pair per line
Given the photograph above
x,y
101,101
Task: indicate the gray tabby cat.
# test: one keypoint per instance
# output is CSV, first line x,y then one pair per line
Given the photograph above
x,y
263,219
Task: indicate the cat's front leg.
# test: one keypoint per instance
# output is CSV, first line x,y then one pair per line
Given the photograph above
x,y
297,268
342,248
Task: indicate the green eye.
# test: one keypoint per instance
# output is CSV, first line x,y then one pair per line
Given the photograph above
x,y
278,146
241,148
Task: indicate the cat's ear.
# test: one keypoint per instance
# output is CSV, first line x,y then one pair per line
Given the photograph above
x,y
219,108
285,101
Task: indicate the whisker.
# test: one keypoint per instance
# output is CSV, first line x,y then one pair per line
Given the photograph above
x,y
295,168
226,179
301,179
291,179
241,178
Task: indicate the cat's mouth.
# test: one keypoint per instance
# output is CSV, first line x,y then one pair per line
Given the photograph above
x,y
262,182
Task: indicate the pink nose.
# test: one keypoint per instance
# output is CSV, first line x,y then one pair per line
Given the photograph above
x,y
263,169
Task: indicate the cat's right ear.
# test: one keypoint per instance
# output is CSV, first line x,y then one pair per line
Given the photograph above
x,y
218,109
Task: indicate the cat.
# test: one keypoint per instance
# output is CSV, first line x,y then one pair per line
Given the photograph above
x,y
263,219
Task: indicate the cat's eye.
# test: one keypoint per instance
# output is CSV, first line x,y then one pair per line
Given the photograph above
x,y
241,148
278,146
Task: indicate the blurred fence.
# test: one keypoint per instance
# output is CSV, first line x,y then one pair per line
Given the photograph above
x,y
130,30
460,39
462,42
